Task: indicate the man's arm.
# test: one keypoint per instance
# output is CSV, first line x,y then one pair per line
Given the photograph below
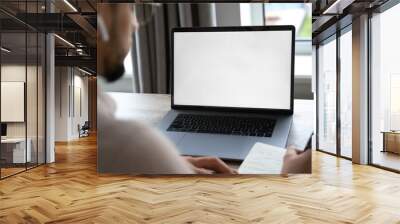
x,y
296,161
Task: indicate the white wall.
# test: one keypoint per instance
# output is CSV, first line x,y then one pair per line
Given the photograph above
x,y
62,81
71,102
12,101
12,73
80,110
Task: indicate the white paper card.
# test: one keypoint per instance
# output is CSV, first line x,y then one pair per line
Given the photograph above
x,y
263,159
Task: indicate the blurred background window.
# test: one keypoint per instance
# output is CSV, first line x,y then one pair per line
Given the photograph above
x,y
152,41
296,14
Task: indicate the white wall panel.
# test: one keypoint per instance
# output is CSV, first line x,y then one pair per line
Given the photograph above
x,y
12,101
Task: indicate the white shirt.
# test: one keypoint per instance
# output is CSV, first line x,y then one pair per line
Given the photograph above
x,y
132,147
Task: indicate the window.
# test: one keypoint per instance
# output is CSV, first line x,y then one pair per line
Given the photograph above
x,y
335,74
296,14
327,97
346,94
395,102
251,14
128,64
385,89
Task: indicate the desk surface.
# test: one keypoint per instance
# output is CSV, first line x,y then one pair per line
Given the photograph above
x,y
13,140
391,132
152,108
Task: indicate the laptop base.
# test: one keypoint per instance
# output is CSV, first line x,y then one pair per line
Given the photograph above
x,y
229,147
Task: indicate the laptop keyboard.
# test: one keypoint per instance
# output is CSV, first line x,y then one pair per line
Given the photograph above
x,y
228,125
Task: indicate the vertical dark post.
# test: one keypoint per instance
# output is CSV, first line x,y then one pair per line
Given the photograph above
x,y
369,89
317,96
45,89
0,95
26,85
338,91
37,87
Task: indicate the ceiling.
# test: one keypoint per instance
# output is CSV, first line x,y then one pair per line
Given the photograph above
x,y
331,15
16,42
74,21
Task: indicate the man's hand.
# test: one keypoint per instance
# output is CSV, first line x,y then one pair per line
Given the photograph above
x,y
209,165
296,161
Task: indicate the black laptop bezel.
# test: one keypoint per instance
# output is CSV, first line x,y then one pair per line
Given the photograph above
x,y
233,29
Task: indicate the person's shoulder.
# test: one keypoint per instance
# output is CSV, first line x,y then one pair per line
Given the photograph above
x,y
126,128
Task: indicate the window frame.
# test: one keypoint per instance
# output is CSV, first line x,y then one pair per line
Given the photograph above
x,y
380,9
41,37
303,46
335,36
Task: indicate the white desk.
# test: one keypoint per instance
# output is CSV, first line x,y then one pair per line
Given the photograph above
x,y
153,107
19,155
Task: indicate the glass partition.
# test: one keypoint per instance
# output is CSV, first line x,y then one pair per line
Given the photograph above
x,y
385,89
346,93
22,90
31,100
327,96
14,153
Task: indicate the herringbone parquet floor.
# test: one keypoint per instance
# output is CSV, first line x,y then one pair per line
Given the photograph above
x,y
70,191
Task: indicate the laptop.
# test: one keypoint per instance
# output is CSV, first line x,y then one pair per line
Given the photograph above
x,y
231,87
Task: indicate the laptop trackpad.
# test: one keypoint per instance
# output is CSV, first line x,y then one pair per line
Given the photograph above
x,y
223,146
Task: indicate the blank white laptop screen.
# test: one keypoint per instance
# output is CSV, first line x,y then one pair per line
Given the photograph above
x,y
241,69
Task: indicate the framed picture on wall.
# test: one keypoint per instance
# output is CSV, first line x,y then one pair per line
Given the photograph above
x,y
12,101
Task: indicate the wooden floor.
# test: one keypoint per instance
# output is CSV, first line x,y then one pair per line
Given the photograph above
x,y
70,191
5,172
